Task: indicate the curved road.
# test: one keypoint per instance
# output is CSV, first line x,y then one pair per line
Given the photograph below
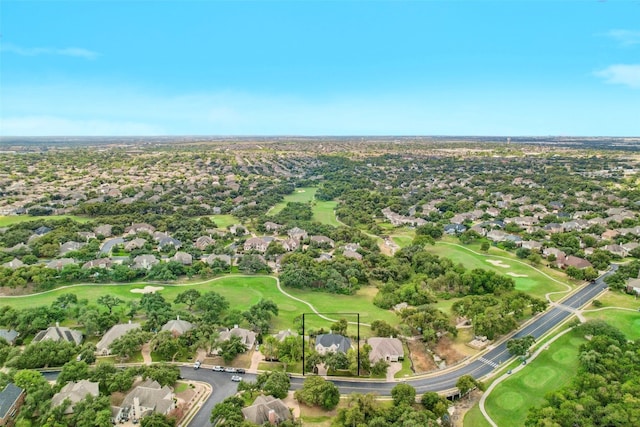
x,y
477,368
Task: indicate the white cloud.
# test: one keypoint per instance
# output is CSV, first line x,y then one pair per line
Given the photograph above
x,y
625,37
624,74
35,51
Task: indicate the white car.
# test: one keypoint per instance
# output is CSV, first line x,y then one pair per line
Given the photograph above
x,y
218,368
236,378
197,364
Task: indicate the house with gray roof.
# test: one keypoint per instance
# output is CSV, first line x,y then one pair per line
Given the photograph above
x,y
116,331
104,230
331,343
387,349
139,228
145,261
59,333
13,264
247,337
9,335
183,258
136,243
267,409
58,264
75,392
203,241
98,263
224,258
148,397
11,399
177,326
70,247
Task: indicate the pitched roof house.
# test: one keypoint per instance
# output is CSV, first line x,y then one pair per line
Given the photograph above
x,y
58,264
177,326
145,261
326,343
257,244
59,333
13,264
111,335
203,241
387,349
577,262
145,399
11,399
267,409
297,233
9,335
248,337
98,263
183,258
75,392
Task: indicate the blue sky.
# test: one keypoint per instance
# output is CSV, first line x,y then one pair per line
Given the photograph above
x,y
320,68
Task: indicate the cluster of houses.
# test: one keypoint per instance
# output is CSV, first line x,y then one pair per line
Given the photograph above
x,y
493,229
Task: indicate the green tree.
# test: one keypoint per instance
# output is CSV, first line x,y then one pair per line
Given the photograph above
x,y
320,392
232,347
211,305
520,346
157,420
403,394
109,301
189,297
465,384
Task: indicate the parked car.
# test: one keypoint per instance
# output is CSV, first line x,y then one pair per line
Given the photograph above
x,y
240,371
197,364
236,378
230,370
218,368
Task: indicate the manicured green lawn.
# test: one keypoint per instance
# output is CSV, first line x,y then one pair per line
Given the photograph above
x,y
628,322
510,401
324,212
300,195
474,418
223,221
242,292
526,278
6,221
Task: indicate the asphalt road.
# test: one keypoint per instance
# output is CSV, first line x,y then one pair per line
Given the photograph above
x,y
224,387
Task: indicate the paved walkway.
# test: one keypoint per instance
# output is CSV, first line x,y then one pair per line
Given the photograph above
x,y
146,354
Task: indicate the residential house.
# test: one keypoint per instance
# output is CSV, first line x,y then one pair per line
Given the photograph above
x,y
352,247
41,231
145,261
272,226
267,409
11,399
237,228
224,258
609,235
297,234
59,333
58,264
259,244
633,286
177,326
75,392
167,241
494,212
248,337
532,245
291,245
497,235
145,399
98,263
137,243
203,241
387,349
103,230
352,254
13,264
87,235
139,228
70,247
628,247
517,240
9,335
554,251
322,241
183,258
116,331
617,250
577,262
553,227
454,228
326,343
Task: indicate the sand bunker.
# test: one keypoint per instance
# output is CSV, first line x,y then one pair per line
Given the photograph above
x,y
516,274
147,290
498,263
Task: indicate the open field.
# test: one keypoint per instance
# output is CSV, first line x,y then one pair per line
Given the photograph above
x,y
324,212
628,322
526,278
300,195
223,221
510,401
242,292
6,221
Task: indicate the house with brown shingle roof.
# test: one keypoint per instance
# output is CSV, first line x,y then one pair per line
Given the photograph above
x,y
267,409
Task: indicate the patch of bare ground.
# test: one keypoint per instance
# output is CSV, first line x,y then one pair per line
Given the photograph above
x,y
446,350
315,416
23,290
462,406
421,359
460,342
116,398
